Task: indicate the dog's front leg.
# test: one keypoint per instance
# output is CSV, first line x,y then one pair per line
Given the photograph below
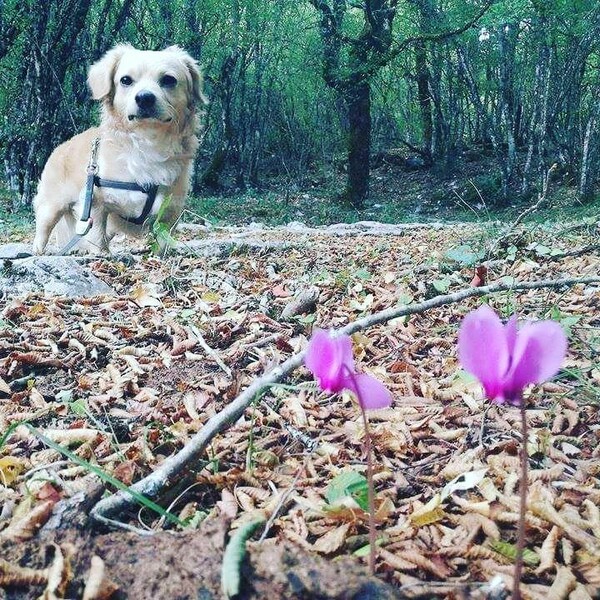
x,y
46,218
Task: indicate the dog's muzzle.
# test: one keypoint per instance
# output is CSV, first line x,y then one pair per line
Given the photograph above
x,y
146,107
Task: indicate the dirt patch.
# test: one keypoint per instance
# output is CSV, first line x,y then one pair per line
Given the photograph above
x,y
182,566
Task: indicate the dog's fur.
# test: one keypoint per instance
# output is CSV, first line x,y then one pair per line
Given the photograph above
x,y
147,136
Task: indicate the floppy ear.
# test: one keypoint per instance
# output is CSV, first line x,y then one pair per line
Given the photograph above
x,y
195,74
101,73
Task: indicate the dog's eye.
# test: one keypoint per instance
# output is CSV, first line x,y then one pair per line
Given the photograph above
x,y
168,81
126,80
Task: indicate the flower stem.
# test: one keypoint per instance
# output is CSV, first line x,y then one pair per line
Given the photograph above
x,y
522,505
371,492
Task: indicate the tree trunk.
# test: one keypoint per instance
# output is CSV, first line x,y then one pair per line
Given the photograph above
x,y
424,95
585,181
358,103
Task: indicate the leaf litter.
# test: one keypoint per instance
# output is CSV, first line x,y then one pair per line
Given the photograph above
x,y
124,381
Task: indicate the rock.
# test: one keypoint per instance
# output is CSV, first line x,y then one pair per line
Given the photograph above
x,y
17,250
52,275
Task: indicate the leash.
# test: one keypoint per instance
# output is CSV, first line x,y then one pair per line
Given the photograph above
x,y
83,226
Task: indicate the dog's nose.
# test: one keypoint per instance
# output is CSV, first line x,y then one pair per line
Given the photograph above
x,y
145,99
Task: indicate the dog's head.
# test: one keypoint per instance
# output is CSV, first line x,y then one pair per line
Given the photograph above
x,y
143,88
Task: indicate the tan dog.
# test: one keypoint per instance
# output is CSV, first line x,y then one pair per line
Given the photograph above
x,y
147,136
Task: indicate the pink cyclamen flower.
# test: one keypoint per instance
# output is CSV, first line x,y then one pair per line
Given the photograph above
x,y
506,359
331,361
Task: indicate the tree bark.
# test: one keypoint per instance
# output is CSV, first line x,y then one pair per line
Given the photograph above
x,y
424,95
358,102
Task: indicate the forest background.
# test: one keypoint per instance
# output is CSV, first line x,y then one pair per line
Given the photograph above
x,y
323,92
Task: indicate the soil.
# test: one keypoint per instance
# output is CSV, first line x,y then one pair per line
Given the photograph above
x,y
178,566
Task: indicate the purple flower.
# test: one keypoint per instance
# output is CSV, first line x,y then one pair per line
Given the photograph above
x,y
330,360
505,359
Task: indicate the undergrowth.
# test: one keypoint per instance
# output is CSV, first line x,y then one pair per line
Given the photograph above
x,y
275,208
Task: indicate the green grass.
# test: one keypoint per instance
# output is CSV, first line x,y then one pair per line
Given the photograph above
x,y
322,208
15,226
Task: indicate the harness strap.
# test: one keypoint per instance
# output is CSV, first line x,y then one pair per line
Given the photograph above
x,y
149,190
84,224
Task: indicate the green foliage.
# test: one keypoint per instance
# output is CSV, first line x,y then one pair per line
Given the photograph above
x,y
348,484
464,255
509,550
234,555
274,81
162,240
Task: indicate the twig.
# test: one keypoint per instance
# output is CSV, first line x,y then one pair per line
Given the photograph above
x,y
371,492
281,504
154,483
576,252
210,351
411,309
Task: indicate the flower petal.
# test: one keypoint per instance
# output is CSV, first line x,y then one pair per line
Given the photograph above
x,y
483,349
539,351
329,358
369,391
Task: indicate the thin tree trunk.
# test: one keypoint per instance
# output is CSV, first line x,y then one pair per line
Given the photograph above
x,y
424,95
585,184
358,102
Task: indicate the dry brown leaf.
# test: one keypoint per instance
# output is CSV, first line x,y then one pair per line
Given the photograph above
x,y
4,387
36,399
438,569
146,295
69,437
98,586
333,540
563,584
228,505
567,550
396,562
59,573
295,411
21,576
548,551
546,511
580,593
26,527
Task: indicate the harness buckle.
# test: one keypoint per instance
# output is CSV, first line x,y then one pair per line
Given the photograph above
x,y
82,227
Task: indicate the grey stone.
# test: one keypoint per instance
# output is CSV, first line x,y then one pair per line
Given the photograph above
x,y
16,250
52,275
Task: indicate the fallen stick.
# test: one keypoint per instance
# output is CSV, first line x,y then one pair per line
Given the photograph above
x,y
171,467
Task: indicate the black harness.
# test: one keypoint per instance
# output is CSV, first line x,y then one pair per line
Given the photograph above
x,y
83,226
149,190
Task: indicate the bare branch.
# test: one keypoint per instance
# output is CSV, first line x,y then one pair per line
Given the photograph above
x,y
444,35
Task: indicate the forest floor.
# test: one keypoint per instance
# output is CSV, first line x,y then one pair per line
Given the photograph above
x,y
112,386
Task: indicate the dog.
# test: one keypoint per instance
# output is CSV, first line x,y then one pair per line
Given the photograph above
x,y
151,101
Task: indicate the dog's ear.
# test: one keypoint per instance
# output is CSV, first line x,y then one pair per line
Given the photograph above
x,y
195,74
101,73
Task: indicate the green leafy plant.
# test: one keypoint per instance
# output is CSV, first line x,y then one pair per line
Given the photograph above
x,y
162,239
234,555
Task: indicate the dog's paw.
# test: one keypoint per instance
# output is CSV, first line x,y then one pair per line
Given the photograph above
x,y
37,248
